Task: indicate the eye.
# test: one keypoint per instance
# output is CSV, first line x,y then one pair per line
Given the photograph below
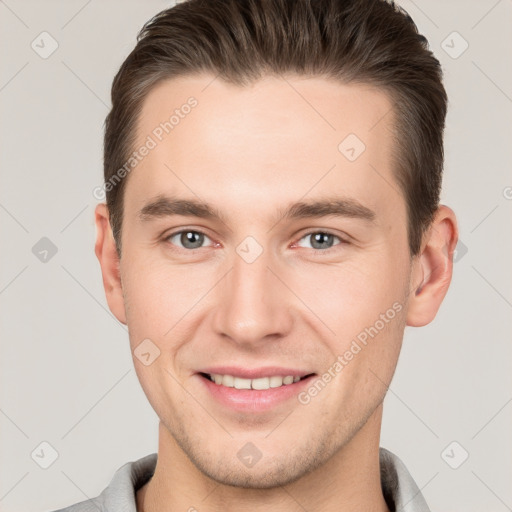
x,y
188,238
321,240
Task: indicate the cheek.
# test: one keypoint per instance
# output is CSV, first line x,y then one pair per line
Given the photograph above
x,y
351,296
160,295
160,388
372,337
365,352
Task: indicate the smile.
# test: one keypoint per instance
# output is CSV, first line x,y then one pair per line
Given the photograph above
x,y
230,381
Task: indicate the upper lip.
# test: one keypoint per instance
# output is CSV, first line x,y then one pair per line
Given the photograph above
x,y
254,373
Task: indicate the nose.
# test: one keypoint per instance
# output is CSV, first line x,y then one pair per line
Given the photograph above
x,y
253,305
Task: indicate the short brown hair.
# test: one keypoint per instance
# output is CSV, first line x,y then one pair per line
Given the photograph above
x,y
372,42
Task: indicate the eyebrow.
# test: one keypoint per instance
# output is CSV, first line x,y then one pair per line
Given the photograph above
x,y
166,206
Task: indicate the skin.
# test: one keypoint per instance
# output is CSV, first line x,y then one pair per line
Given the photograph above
x,y
250,151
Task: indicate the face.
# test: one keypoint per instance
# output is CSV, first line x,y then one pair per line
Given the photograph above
x,y
252,287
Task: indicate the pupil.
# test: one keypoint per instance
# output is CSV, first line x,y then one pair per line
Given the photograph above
x,y
189,236
321,238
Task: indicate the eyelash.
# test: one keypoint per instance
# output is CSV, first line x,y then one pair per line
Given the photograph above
x,y
309,233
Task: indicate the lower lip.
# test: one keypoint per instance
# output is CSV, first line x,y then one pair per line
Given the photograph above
x,y
254,400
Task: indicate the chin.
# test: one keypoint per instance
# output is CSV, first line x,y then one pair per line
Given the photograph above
x,y
269,472
252,478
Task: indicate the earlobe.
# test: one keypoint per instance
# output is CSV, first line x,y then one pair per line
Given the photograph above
x,y
433,268
105,250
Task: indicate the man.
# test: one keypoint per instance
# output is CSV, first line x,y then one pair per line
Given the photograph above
x,y
272,224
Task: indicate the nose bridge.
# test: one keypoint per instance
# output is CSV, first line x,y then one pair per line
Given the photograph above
x,y
252,304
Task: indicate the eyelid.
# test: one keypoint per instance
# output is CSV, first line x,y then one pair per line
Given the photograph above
x,y
167,236
343,239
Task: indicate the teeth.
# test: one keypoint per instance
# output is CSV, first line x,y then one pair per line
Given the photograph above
x,y
262,383
240,383
275,381
228,381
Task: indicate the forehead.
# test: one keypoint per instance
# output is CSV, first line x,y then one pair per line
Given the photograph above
x,y
273,141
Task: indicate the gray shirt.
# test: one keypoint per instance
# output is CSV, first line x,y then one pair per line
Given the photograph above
x,y
399,489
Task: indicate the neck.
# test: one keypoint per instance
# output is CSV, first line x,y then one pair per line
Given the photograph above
x,y
349,480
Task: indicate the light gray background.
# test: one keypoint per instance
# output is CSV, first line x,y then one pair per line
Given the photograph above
x,y
67,376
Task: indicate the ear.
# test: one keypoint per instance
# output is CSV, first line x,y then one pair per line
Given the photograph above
x,y
106,253
432,268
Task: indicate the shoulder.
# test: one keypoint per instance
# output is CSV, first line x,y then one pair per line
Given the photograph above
x,y
90,505
398,486
119,495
